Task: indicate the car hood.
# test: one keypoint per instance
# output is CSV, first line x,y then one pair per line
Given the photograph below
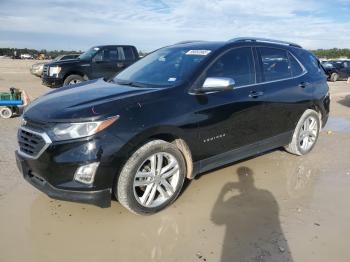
x,y
38,64
66,62
89,101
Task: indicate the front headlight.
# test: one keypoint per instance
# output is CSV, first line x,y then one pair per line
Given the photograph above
x,y
66,131
55,70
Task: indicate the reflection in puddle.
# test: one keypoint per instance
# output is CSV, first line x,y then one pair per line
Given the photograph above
x,y
231,213
300,179
339,124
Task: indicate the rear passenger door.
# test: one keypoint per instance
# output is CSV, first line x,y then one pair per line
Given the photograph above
x,y
105,63
286,90
126,57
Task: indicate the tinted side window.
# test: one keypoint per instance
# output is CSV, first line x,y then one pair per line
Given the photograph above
x,y
297,70
109,54
128,53
237,64
275,64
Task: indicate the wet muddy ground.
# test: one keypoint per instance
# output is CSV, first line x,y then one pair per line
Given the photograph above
x,y
274,207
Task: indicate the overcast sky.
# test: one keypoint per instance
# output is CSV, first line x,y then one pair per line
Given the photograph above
x,y
150,24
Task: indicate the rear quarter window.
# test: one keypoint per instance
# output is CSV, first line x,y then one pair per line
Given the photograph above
x,y
311,63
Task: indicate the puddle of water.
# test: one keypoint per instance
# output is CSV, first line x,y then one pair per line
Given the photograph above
x,y
338,124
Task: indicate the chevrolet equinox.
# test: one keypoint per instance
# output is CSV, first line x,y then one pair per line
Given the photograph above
x,y
180,111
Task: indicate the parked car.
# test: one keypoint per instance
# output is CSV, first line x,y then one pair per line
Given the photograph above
x,y
178,112
26,56
99,61
37,68
337,70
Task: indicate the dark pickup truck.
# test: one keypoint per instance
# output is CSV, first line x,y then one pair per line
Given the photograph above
x,y
99,61
337,70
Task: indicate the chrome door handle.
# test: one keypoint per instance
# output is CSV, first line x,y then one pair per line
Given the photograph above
x,y
255,94
303,84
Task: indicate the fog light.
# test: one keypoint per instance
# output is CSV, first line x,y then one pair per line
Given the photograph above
x,y
86,174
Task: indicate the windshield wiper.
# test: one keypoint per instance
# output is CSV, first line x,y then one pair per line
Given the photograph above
x,y
129,83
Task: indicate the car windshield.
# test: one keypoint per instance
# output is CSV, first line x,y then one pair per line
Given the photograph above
x,y
327,65
89,53
57,58
164,67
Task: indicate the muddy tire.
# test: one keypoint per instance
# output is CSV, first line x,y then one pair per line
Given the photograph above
x,y
152,178
6,112
334,77
72,80
305,134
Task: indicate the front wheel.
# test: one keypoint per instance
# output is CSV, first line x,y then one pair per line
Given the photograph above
x,y
305,134
334,77
73,79
152,178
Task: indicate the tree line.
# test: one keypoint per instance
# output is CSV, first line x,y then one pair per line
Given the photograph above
x,y
34,52
321,53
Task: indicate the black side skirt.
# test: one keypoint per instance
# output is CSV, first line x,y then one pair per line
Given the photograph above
x,y
242,152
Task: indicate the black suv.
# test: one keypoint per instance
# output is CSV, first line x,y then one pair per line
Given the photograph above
x,y
99,61
337,70
180,111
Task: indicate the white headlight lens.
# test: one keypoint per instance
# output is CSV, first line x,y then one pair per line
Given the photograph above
x,y
54,70
68,131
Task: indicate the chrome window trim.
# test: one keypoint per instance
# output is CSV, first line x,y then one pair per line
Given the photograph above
x,y
43,135
263,82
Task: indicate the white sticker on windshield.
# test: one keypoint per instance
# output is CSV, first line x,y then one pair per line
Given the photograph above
x,y
172,79
96,48
198,52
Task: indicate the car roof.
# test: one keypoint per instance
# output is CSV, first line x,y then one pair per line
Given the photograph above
x,y
250,41
101,46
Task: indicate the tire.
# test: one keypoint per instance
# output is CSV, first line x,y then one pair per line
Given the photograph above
x,y
72,80
6,112
134,196
334,77
303,141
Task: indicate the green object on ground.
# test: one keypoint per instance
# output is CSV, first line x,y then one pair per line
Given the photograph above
x,y
14,94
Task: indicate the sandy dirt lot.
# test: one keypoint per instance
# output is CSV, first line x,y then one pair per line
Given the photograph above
x,y
288,208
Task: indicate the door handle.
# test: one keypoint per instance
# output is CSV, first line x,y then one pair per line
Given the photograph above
x,y
255,94
303,84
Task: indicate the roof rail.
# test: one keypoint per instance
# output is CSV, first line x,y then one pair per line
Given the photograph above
x,y
188,41
265,40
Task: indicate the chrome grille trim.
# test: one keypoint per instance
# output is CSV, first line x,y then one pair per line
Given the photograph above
x,y
42,135
46,70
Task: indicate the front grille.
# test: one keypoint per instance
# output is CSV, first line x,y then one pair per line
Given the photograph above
x,y
31,143
46,70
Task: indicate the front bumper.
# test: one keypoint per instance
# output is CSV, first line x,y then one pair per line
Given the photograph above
x,y
52,81
101,198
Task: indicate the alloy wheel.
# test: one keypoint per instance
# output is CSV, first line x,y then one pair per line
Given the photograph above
x,y
308,133
156,180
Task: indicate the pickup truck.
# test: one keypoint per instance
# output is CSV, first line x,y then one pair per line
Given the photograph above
x,y
98,62
337,70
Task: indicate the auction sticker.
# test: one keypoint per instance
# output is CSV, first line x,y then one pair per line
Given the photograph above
x,y
198,52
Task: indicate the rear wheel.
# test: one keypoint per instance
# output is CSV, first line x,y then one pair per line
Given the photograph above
x,y
73,79
152,178
6,112
305,134
334,77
